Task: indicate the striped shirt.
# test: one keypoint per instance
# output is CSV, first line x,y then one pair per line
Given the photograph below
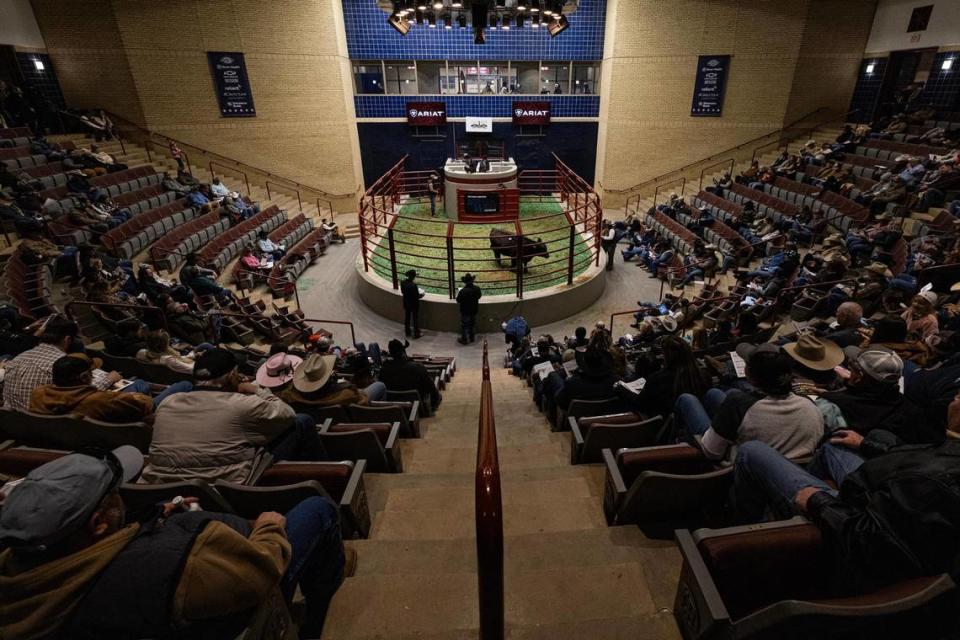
x,y
32,369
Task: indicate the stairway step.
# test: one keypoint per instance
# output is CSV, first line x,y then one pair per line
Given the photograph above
x,y
412,605
658,626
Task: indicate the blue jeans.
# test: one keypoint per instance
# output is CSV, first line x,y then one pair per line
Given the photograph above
x,y
313,530
694,416
467,327
142,386
300,442
763,478
632,251
433,204
376,391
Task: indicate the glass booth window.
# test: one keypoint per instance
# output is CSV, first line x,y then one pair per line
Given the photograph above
x,y
431,77
555,77
526,77
401,78
368,77
495,77
586,78
467,78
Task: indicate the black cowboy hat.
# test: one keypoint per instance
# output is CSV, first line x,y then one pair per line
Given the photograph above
x,y
467,278
412,273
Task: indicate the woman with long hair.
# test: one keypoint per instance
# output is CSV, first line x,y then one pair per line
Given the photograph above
x,y
680,373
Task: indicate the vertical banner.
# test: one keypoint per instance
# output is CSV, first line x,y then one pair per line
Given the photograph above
x,y
232,84
710,85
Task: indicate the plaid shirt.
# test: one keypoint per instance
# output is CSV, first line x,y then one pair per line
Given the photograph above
x,y
32,369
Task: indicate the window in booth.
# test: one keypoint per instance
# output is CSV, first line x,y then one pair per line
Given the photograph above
x,y
527,77
495,77
368,77
401,78
467,77
473,77
431,76
555,77
586,78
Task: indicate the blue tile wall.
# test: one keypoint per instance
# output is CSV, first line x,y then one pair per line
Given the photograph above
x,y
943,87
370,106
369,37
867,89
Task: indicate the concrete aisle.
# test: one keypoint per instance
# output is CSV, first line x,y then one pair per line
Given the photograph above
x,y
568,575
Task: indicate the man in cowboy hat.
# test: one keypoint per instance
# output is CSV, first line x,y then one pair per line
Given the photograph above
x,y
411,304
770,412
813,362
220,430
315,384
592,380
72,566
401,373
468,298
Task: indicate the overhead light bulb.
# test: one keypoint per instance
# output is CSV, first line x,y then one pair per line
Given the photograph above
x,y
438,5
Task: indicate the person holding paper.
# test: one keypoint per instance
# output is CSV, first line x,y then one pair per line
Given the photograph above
x,y
679,374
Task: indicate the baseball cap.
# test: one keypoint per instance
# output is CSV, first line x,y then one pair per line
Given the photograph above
x,y
56,499
213,363
72,366
746,350
883,365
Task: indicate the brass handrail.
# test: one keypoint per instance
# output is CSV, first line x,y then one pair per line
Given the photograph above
x,y
489,515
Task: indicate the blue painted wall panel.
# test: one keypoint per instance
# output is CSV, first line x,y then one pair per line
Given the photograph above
x,y
383,144
373,106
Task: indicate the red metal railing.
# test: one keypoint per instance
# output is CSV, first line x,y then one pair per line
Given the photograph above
x,y
489,515
389,254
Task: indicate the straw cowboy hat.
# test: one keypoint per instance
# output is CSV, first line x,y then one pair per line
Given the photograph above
x,y
832,239
955,287
314,372
880,269
815,353
669,323
277,370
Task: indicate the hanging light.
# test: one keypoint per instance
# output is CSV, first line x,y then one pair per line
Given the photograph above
x,y
462,21
519,21
447,22
432,18
493,22
535,6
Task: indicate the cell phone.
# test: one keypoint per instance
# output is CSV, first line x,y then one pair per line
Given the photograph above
x,y
121,385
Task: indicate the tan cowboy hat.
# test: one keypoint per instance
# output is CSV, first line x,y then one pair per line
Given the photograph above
x,y
880,269
314,372
955,287
815,353
669,323
833,238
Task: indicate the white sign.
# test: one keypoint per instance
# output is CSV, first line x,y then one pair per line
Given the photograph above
x,y
479,125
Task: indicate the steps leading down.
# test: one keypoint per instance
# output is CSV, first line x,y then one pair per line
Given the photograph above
x,y
567,575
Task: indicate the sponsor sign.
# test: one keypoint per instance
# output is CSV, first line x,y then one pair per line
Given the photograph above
x,y
710,85
426,113
230,80
479,125
531,112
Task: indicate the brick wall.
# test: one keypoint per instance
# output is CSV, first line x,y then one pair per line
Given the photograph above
x,y
296,60
649,65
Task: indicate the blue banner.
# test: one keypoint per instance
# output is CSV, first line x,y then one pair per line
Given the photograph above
x,y
710,85
232,84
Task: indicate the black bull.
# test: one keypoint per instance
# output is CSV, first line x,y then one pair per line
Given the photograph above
x,y
505,244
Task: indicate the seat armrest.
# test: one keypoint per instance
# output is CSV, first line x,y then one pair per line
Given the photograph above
x,y
614,489
575,430
392,438
414,411
354,506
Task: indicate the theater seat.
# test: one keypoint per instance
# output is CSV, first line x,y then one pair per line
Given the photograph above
x,y
594,434
375,443
663,487
585,408
406,413
773,580
71,432
343,481
141,500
